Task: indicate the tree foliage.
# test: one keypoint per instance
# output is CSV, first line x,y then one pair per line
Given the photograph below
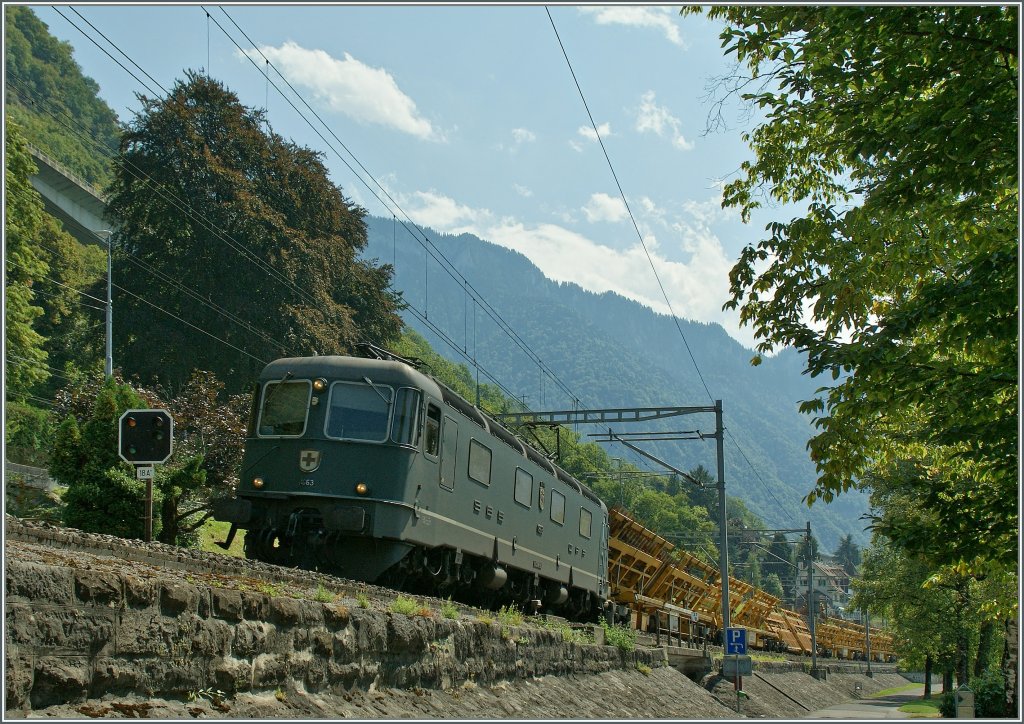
x,y
57,105
228,228
103,495
894,130
209,435
25,266
848,554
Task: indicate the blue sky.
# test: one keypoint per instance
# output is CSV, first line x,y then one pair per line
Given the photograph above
x,y
470,118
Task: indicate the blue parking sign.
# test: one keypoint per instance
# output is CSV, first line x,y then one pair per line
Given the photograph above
x,y
736,641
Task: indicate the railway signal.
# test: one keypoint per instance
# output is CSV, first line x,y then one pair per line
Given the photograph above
x,y
145,438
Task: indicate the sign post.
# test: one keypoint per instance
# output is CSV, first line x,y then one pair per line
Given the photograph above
x,y
736,646
145,438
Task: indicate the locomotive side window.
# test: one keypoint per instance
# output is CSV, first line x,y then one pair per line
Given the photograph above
x,y
479,463
585,521
524,488
405,425
432,431
557,507
359,411
284,408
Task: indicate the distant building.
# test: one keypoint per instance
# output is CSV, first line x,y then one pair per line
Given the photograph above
x,y
831,586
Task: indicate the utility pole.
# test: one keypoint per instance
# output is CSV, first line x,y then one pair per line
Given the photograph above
x,y
723,526
108,362
867,639
810,602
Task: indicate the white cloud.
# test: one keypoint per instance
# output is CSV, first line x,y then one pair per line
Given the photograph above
x,y
442,213
602,207
576,146
605,130
523,135
656,119
348,86
696,287
660,18
522,190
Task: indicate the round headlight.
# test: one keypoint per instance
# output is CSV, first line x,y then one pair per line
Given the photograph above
x,y
257,482
319,384
362,489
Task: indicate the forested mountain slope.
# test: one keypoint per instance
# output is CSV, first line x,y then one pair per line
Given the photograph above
x,y
613,352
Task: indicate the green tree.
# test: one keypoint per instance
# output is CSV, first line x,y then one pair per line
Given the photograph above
x,y
26,359
848,554
893,130
772,585
72,324
779,561
103,495
215,212
58,107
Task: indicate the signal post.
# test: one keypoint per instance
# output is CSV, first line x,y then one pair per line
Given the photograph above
x,y
145,438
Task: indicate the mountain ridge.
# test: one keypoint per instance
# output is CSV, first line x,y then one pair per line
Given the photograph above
x,y
615,352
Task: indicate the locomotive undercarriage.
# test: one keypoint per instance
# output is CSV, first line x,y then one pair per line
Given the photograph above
x,y
441,572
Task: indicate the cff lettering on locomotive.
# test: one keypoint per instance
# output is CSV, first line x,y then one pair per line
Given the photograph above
x,y
371,469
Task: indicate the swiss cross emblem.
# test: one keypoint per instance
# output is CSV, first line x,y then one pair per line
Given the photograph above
x,y
309,460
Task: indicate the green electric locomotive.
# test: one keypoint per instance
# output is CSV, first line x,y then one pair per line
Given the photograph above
x,y
371,469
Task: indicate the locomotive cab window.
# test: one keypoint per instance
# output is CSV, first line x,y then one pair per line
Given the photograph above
x,y
585,522
479,463
254,412
358,411
557,507
432,429
405,427
284,408
524,488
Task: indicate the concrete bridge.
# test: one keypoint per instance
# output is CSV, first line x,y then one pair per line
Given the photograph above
x,y
79,206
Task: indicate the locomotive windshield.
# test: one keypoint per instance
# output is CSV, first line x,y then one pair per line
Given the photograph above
x,y
284,408
359,411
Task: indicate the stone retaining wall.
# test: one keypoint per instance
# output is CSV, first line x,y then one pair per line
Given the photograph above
x,y
73,635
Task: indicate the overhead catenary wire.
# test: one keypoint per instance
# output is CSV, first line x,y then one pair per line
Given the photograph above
x,y
133,258
650,260
424,241
434,253
177,202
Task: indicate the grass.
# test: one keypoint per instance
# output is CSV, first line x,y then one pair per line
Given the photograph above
x,y
923,708
217,530
510,616
322,594
449,610
755,656
404,605
894,690
620,636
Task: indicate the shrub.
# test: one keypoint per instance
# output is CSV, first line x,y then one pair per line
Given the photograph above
x,y
29,434
362,600
989,694
948,706
622,637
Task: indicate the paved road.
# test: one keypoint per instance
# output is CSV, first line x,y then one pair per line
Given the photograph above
x,y
885,707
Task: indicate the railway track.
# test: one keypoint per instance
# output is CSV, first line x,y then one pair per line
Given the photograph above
x,y
38,542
